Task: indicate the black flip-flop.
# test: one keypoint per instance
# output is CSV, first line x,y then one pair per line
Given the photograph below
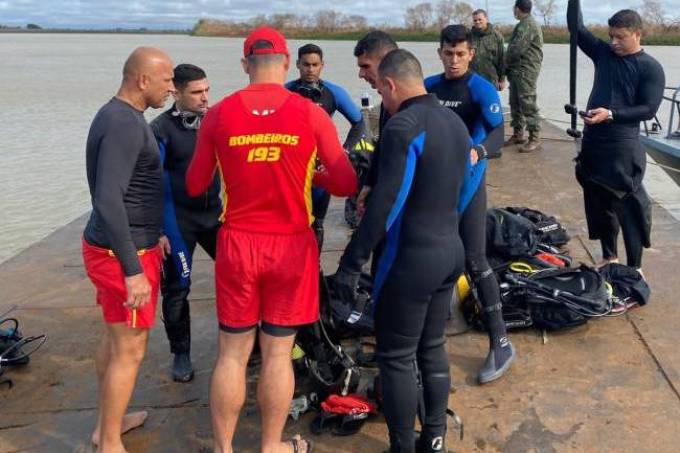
x,y
295,442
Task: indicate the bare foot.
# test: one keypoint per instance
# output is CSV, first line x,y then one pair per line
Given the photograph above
x,y
130,421
121,450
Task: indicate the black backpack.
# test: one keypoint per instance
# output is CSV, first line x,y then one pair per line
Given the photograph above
x,y
510,235
560,298
348,320
550,231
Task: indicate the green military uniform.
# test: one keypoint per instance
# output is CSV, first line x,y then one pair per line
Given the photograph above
x,y
523,60
489,54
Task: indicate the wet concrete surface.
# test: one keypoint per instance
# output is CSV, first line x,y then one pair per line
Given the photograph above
x,y
611,385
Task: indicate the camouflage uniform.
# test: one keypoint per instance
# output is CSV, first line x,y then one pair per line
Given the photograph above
x,y
523,60
489,54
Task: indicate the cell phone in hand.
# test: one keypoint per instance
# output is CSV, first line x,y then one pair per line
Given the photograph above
x,y
584,114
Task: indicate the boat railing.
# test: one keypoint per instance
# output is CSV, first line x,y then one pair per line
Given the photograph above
x,y
675,106
671,132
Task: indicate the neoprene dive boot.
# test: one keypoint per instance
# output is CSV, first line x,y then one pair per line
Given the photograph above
x,y
517,138
182,370
431,445
534,143
497,362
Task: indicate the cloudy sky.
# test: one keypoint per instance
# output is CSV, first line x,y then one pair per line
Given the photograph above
x,y
177,14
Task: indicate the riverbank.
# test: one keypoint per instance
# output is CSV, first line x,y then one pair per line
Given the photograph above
x,y
213,28
666,36
609,386
107,31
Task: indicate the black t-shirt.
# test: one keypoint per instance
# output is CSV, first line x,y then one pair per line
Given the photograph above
x,y
124,175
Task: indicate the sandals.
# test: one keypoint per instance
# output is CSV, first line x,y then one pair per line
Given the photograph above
x,y
296,444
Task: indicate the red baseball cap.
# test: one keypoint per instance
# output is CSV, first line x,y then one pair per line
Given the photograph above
x,y
269,34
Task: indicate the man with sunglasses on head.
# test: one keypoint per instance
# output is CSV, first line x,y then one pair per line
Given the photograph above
x,y
332,98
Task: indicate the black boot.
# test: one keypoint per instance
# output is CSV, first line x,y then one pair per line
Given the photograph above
x,y
433,445
182,371
497,362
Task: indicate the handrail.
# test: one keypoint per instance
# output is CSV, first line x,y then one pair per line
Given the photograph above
x,y
674,102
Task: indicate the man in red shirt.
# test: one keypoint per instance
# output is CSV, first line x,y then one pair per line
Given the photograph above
x,y
264,140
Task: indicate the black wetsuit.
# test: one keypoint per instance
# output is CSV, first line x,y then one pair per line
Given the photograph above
x,y
192,220
125,178
425,149
477,103
611,164
331,98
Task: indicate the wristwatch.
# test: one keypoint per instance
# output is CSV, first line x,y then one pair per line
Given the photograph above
x,y
481,151
610,116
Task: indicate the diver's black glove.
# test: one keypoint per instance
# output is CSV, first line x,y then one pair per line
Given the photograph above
x,y
344,284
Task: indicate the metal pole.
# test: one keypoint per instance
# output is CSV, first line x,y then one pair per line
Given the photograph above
x,y
571,108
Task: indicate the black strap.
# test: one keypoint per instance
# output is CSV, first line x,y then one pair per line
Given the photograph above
x,y
493,308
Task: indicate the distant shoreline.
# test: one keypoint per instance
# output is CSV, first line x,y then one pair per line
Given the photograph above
x,y
113,31
216,29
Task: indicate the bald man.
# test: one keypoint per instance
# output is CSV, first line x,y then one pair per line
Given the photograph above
x,y
120,242
413,208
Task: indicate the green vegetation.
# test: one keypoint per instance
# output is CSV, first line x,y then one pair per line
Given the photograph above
x,y
666,36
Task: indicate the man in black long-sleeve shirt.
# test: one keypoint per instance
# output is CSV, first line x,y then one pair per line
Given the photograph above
x,y
120,242
627,89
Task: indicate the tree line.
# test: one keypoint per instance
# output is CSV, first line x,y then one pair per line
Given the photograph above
x,y
423,17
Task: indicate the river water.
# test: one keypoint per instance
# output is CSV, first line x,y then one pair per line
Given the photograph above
x,y
52,85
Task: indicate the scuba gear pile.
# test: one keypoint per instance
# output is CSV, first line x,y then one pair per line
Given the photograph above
x,y
559,298
15,349
334,368
538,286
510,235
550,231
326,363
342,415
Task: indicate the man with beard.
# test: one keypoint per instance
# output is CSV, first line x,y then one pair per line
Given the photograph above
x,y
187,221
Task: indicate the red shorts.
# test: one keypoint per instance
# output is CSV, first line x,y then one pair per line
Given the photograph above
x,y
266,277
106,274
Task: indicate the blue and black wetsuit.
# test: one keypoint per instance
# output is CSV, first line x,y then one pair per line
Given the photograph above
x,y
331,98
611,164
425,152
477,103
187,221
